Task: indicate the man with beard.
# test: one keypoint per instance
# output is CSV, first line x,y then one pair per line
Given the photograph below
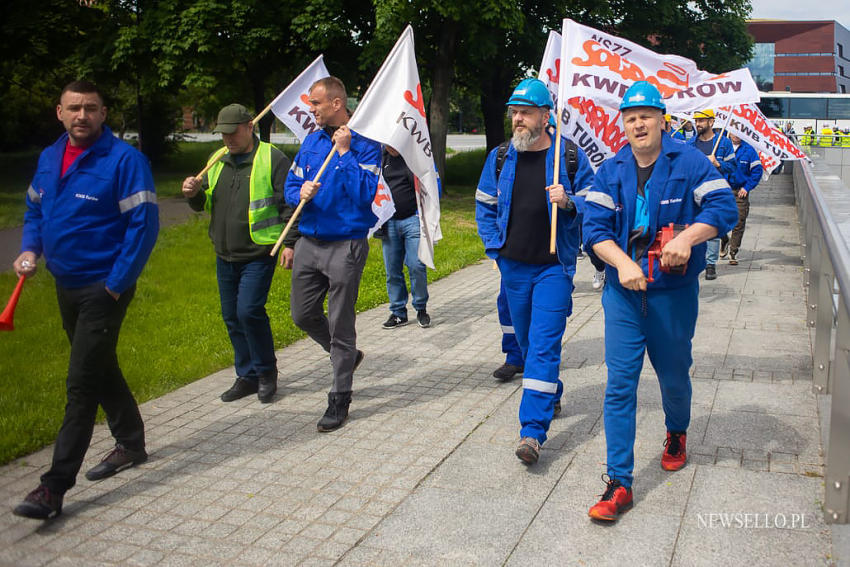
x,y
513,211
650,183
723,158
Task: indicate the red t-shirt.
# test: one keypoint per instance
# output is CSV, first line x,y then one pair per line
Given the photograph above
x,y
71,153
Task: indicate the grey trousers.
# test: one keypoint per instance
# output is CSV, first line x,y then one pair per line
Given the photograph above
x,y
333,269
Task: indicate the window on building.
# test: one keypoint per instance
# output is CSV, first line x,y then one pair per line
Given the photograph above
x,y
808,108
838,109
761,65
774,107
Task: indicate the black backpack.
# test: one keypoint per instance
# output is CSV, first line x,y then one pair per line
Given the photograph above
x,y
571,151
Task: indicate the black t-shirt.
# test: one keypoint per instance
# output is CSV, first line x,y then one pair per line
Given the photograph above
x,y
639,239
400,181
528,224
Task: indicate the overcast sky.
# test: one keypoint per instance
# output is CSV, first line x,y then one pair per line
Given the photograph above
x,y
800,10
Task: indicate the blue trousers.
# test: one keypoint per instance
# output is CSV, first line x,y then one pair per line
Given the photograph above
x,y
712,251
244,288
540,300
513,354
664,330
401,247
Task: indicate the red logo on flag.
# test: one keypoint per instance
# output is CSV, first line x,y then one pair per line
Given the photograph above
x,y
417,103
305,99
554,77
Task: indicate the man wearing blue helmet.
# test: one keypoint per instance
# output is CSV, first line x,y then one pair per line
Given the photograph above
x,y
651,183
513,208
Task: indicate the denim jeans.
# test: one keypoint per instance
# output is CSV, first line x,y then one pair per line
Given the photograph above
x,y
401,248
712,251
92,320
244,288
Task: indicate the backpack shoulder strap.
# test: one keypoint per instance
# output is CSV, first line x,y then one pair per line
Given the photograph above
x,y
572,160
501,156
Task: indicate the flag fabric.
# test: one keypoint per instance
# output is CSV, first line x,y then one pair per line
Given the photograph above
x,y
383,206
749,123
392,112
291,106
590,72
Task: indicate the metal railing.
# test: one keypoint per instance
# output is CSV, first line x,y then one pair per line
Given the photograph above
x,y
824,214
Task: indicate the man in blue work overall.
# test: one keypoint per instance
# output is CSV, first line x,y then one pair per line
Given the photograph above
x,y
650,183
513,211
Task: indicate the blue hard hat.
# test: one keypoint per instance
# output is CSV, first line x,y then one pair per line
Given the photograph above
x,y
531,92
643,93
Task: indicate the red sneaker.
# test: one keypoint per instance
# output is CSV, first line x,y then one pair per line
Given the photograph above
x,y
674,456
616,500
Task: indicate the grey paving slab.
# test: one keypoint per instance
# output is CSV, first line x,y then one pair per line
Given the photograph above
x,y
424,472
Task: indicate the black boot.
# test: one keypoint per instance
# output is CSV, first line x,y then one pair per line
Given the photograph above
x,y
337,412
267,387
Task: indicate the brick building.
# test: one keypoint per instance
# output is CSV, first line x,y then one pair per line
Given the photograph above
x,y
804,57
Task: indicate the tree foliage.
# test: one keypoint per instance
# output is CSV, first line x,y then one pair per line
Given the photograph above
x,y
152,56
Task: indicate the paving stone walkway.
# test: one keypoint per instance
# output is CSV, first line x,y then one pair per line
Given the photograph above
x,y
424,471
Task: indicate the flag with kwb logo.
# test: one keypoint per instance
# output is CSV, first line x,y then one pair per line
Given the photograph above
x,y
589,73
747,122
291,106
392,112
383,205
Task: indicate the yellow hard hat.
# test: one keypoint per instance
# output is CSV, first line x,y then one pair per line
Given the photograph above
x,y
707,113
668,117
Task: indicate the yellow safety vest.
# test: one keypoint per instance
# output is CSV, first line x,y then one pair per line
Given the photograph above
x,y
264,222
826,137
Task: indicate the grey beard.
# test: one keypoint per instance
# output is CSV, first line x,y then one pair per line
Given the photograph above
x,y
524,139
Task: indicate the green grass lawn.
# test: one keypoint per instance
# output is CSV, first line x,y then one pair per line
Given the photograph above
x,y
173,333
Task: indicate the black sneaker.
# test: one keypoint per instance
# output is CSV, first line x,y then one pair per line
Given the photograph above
x,y
40,504
710,272
423,318
337,412
239,390
116,461
359,359
507,372
394,322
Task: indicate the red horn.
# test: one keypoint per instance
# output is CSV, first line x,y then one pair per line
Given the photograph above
x,y
9,313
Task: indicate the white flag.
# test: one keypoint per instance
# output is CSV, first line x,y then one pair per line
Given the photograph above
x,y
748,123
383,205
291,106
393,112
602,66
597,68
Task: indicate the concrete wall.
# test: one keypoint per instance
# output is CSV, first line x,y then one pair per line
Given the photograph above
x,y
838,160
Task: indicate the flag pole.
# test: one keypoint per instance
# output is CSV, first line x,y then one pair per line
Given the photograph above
x,y
216,157
302,203
555,177
720,137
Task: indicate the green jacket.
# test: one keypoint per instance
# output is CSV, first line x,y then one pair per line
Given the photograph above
x,y
229,220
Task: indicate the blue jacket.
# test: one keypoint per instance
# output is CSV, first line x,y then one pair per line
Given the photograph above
x,y
342,207
748,170
725,154
99,221
493,203
684,188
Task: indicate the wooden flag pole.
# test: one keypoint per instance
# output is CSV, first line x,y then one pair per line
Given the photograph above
x,y
212,162
720,137
262,113
301,204
555,176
